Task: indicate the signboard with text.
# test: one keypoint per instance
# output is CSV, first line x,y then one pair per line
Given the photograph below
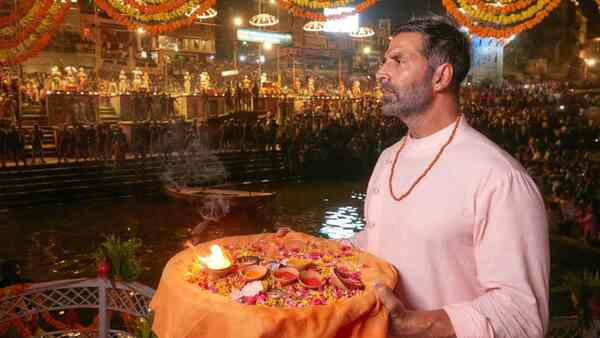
x,y
487,60
255,35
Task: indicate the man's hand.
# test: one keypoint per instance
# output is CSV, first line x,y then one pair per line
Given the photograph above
x,y
413,324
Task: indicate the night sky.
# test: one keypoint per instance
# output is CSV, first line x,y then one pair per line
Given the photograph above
x,y
399,10
402,10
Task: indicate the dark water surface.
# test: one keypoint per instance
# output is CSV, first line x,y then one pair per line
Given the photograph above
x,y
55,242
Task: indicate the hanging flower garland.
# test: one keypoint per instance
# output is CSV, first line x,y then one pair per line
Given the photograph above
x,y
152,21
499,8
189,6
28,22
299,11
320,4
34,32
503,19
483,21
24,7
157,2
156,23
149,8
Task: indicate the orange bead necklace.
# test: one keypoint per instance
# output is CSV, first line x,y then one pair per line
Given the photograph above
x,y
437,157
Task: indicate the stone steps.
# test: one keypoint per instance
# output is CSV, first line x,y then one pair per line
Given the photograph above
x,y
70,182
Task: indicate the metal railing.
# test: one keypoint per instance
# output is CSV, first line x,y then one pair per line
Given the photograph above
x,y
134,299
96,293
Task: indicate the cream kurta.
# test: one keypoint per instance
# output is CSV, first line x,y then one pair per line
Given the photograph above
x,y
472,237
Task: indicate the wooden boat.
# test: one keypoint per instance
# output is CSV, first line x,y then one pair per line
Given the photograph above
x,y
237,199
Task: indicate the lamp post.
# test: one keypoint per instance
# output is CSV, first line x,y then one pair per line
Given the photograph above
x,y
237,22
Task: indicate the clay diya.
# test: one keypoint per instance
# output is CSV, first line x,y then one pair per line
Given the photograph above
x,y
343,279
299,263
310,279
217,263
286,276
242,261
253,272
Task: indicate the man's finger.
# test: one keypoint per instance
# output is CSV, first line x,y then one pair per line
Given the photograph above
x,y
389,300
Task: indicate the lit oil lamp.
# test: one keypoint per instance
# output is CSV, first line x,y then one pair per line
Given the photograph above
x,y
217,263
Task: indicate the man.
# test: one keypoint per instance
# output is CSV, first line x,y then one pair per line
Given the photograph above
x,y
3,145
19,142
37,140
459,218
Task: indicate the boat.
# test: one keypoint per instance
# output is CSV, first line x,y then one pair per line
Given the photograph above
x,y
237,199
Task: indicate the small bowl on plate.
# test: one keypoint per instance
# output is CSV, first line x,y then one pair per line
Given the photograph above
x,y
242,261
253,272
299,263
286,276
310,279
343,279
218,273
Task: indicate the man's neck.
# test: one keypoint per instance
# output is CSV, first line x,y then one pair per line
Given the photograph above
x,y
431,121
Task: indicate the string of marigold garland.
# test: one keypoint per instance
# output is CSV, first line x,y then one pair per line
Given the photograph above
x,y
149,9
504,19
152,28
34,44
322,4
504,9
174,14
30,19
10,20
23,33
299,11
484,31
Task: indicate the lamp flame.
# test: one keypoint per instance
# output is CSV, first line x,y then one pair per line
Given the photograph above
x,y
216,260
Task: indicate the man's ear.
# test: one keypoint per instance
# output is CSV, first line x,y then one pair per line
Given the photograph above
x,y
442,77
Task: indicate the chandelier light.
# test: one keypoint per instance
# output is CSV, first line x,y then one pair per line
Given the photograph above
x,y
314,26
207,14
263,20
363,32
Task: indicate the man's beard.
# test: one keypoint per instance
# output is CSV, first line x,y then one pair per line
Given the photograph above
x,y
408,102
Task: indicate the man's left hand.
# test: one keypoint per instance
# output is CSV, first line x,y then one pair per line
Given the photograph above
x,y
401,322
413,324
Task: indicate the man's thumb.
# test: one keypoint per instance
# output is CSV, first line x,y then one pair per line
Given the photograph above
x,y
389,299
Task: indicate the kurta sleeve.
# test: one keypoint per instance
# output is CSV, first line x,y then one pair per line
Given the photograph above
x,y
360,239
511,249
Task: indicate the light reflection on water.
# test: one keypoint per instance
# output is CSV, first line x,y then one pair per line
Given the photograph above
x,y
341,223
55,242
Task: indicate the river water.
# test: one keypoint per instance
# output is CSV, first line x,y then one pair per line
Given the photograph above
x,y
55,242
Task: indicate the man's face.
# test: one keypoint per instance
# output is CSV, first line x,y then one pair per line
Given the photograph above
x,y
405,77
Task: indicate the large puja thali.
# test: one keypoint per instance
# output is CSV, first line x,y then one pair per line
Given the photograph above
x,y
267,285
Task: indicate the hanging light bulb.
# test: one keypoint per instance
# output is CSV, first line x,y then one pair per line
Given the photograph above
x,y
314,26
263,20
363,32
207,14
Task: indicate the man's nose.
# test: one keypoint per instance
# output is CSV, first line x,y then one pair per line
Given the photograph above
x,y
381,76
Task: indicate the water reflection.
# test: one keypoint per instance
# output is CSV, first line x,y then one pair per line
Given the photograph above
x,y
57,241
342,223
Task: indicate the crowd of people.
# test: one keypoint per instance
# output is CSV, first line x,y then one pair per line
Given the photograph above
x,y
547,128
544,126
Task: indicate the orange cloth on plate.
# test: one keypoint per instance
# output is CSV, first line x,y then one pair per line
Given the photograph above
x,y
184,310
